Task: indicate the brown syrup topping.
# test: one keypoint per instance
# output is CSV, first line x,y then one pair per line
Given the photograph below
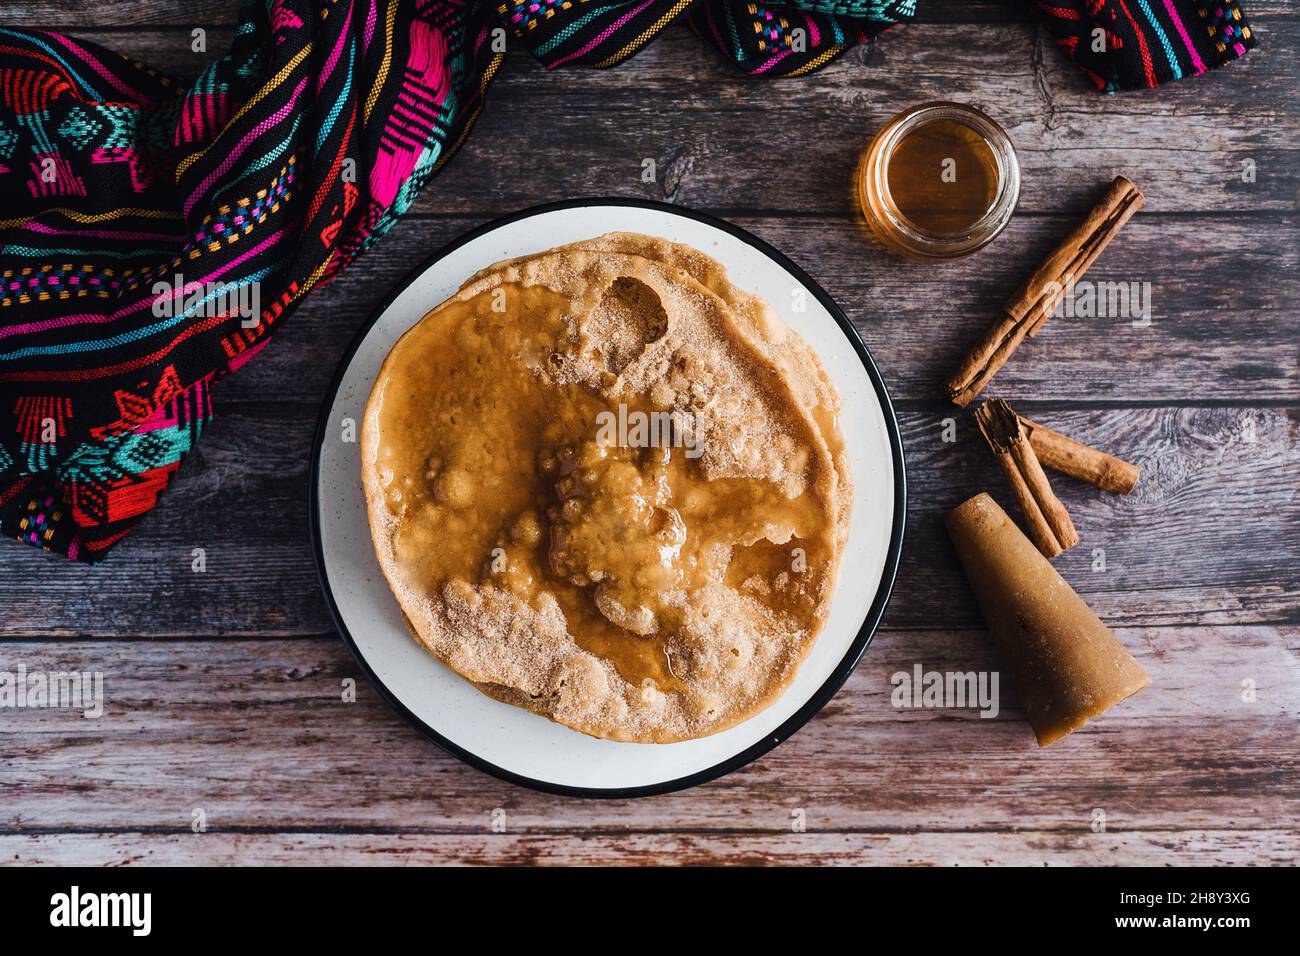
x,y
503,477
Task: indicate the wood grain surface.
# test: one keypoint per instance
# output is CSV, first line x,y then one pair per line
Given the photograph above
x,y
225,689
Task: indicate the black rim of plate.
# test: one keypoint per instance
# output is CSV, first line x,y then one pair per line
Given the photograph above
x,y
846,664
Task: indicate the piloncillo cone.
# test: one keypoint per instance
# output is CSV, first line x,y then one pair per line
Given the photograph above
x,y
1067,666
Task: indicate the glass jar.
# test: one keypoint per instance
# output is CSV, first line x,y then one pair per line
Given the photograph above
x,y
939,181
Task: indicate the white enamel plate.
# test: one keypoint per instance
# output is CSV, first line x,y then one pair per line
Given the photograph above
x,y
510,742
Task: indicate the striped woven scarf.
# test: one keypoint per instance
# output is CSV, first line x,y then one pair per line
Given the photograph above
x,y
154,236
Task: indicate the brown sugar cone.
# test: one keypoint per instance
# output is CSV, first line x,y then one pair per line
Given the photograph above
x,y
1067,665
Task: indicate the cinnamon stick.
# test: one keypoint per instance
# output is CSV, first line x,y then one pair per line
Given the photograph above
x,y
1080,461
1046,519
1035,300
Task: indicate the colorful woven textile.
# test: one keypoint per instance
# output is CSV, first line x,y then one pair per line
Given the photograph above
x,y
154,237
1132,44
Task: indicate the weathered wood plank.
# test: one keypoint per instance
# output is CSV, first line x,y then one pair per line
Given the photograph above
x,y
1222,321
256,735
1187,541
242,517
723,140
1210,536
1068,137
699,121
1023,848
82,15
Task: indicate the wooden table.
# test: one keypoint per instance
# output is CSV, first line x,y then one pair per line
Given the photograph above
x,y
224,688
